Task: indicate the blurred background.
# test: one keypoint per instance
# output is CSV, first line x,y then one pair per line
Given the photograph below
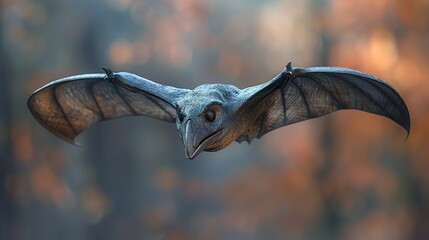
x,y
348,175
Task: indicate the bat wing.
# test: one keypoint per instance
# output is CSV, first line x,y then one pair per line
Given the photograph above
x,y
68,106
298,94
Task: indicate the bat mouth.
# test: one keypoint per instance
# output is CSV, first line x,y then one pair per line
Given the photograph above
x,y
191,154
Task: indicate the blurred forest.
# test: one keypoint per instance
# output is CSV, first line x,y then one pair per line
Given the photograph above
x,y
348,175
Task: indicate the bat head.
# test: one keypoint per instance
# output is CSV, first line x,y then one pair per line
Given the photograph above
x,y
203,116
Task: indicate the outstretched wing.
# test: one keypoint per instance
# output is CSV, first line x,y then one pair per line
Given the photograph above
x,y
68,106
297,94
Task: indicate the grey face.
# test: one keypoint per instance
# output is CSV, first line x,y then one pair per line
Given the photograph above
x,y
202,118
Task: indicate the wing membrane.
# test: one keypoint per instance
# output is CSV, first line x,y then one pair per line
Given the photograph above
x,y
68,106
298,94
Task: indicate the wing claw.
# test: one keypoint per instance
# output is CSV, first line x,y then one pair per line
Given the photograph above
x,y
109,74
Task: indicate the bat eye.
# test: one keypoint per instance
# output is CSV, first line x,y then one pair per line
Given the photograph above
x,y
180,114
210,116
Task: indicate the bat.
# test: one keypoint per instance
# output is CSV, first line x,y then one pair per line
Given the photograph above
x,y
211,116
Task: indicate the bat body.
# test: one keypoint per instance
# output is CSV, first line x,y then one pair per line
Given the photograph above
x,y
211,116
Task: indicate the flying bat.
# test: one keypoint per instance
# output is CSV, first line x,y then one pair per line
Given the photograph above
x,y
211,116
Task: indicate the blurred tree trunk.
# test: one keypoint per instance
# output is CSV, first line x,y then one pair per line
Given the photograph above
x,y
116,176
8,208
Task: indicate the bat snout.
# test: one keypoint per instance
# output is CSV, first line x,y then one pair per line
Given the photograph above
x,y
190,140
196,139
